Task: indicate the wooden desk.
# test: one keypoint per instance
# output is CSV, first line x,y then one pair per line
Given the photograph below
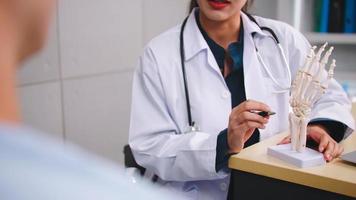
x,y
253,171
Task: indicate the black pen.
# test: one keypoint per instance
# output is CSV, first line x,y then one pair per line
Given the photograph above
x,y
264,113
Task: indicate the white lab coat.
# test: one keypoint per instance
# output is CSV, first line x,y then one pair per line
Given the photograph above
x,y
186,162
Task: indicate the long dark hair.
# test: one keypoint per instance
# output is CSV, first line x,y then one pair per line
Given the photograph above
x,y
194,4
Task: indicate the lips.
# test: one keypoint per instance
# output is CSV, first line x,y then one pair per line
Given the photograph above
x,y
219,4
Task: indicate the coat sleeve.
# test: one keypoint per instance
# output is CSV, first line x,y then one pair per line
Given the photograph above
x,y
334,104
154,138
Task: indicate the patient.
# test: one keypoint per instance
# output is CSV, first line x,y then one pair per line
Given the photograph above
x,y
32,166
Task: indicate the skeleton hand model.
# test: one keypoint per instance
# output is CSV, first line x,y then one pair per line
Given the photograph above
x,y
310,84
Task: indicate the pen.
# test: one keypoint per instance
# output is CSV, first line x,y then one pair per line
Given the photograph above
x,y
264,113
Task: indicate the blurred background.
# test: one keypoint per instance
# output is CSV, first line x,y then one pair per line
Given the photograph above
x,y
79,88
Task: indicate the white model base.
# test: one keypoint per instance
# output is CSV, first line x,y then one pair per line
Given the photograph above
x,y
308,158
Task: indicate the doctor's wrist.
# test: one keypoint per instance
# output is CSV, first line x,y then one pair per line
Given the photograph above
x,y
235,144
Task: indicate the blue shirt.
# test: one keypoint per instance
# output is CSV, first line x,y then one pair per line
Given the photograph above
x,y
33,167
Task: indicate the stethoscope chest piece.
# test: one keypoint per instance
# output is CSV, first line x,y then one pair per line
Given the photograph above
x,y
193,128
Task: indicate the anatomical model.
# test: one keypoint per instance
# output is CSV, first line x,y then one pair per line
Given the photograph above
x,y
310,84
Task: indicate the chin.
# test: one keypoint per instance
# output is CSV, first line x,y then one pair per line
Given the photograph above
x,y
217,16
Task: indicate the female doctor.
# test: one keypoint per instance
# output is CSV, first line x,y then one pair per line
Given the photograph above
x,y
198,84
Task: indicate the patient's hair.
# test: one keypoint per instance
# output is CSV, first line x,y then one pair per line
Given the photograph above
x,y
194,4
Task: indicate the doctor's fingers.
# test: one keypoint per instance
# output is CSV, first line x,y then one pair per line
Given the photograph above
x,y
248,134
242,129
328,154
285,140
248,116
323,142
251,105
329,146
337,151
248,125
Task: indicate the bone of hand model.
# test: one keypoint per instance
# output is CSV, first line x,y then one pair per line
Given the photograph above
x,y
310,84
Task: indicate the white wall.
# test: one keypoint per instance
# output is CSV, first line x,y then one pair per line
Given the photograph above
x,y
265,8
79,88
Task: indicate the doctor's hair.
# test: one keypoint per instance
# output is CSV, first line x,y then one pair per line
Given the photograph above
x,y
194,4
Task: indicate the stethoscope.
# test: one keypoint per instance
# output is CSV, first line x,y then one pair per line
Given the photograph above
x,y
193,127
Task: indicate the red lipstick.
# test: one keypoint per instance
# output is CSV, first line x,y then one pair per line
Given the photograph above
x,y
218,4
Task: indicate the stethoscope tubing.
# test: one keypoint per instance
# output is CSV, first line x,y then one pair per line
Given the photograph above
x,y
192,125
274,80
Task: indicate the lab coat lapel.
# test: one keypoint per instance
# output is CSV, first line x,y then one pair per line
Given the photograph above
x,y
195,43
252,68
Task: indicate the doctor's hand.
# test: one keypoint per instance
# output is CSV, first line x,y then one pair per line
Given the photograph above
x,y
327,145
242,123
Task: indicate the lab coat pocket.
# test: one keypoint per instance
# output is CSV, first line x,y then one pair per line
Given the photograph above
x,y
277,98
